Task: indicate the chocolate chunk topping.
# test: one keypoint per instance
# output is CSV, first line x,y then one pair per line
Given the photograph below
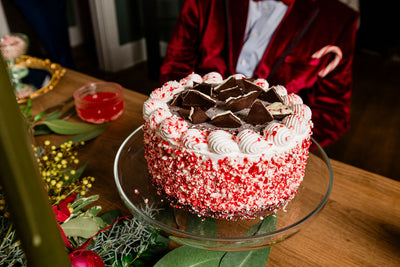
x,y
227,120
197,115
242,102
249,87
195,98
279,110
229,92
271,96
259,114
176,101
205,88
184,113
229,83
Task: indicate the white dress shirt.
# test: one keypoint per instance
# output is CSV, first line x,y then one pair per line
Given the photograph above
x,y
262,20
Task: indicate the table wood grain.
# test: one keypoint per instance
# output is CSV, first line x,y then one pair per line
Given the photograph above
x,y
359,226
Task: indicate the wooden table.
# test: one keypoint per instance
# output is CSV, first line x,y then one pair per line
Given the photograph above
x,y
360,225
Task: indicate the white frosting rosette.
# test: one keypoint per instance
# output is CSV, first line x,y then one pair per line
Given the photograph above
x,y
194,139
281,90
221,142
213,78
238,76
189,80
173,86
162,94
292,99
250,142
302,110
297,124
157,116
172,128
152,104
278,134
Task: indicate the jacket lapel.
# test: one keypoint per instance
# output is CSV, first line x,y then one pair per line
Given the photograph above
x,y
294,22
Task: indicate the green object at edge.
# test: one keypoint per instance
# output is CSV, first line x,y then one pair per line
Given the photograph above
x,y
19,176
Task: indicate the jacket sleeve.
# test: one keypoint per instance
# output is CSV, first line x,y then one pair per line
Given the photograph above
x,y
330,97
181,52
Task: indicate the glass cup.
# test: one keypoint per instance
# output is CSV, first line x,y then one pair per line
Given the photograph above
x,y
99,102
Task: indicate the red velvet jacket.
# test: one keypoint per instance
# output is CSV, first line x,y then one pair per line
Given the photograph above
x,y
198,45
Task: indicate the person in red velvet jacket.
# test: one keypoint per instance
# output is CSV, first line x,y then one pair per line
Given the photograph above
x,y
308,48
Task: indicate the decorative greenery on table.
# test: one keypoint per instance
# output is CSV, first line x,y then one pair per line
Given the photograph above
x,y
119,240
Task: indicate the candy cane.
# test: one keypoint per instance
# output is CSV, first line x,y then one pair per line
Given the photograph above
x,y
332,65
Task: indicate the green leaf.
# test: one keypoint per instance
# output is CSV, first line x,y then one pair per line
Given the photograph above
x,y
71,128
94,210
83,137
82,226
111,216
39,116
265,226
53,116
252,258
41,130
201,225
83,202
188,257
126,260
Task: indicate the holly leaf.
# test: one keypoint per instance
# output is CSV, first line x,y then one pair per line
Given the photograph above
x,y
71,128
186,256
84,227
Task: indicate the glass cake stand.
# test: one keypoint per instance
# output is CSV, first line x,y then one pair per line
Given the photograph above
x,y
136,190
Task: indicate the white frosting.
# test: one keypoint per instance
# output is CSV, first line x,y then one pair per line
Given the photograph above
x,y
173,86
281,90
162,94
238,76
297,124
250,142
262,83
152,104
278,134
221,142
213,78
172,128
189,80
194,139
292,99
302,110
157,116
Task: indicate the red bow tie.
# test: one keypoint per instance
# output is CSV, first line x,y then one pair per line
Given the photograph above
x,y
286,2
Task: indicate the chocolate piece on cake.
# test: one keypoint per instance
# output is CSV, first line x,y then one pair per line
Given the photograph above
x,y
197,115
224,94
205,88
184,113
271,96
279,110
249,86
229,83
194,98
177,101
226,120
259,114
242,102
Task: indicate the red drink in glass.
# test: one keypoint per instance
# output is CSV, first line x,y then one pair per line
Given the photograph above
x,y
99,102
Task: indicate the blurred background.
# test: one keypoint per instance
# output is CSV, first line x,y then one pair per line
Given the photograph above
x,y
125,40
